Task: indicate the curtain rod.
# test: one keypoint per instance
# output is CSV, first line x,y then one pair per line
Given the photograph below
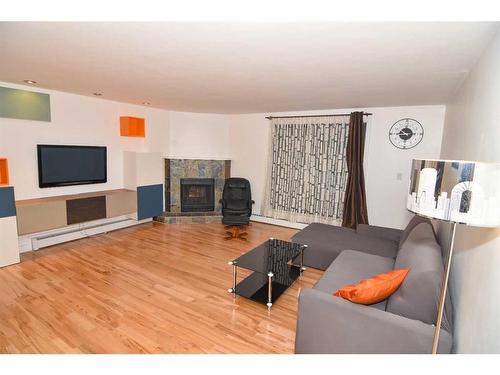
x,y
303,116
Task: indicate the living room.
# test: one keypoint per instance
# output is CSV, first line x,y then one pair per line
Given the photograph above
x,y
295,195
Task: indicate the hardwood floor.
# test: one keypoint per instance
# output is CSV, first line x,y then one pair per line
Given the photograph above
x,y
153,288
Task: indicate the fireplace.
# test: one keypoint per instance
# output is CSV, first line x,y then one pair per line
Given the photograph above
x,y
194,204
197,194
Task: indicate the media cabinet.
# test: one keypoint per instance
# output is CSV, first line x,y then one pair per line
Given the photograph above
x,y
31,224
43,214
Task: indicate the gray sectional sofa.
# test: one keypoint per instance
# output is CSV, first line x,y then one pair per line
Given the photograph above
x,y
404,323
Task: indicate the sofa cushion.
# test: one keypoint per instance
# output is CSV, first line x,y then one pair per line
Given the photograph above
x,y
380,232
411,225
374,289
350,267
418,297
326,242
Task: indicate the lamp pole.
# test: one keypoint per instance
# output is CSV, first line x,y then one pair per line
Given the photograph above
x,y
444,287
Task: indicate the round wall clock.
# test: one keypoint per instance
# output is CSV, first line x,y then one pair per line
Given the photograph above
x,y
406,133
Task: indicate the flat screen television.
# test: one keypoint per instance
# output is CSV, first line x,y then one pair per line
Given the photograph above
x,y
71,165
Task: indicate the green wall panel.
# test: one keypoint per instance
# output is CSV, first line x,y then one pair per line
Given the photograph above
x,y
24,105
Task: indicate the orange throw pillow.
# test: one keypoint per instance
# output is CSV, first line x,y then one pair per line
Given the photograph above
x,y
375,289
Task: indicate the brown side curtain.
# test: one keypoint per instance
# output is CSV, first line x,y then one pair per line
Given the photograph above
x,y
355,211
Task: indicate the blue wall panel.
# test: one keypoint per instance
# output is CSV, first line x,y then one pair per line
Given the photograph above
x,y
7,202
149,201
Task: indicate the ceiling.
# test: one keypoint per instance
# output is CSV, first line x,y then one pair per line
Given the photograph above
x,y
247,67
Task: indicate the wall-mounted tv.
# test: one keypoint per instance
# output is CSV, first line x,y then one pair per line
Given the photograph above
x,y
71,165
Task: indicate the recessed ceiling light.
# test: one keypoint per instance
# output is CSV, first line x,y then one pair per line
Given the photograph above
x,y
31,82
146,103
97,93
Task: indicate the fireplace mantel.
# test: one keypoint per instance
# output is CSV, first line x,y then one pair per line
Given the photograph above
x,y
200,158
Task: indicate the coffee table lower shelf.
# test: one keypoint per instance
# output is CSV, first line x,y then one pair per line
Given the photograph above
x,y
256,286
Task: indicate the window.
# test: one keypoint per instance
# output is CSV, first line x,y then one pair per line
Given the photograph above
x,y
307,174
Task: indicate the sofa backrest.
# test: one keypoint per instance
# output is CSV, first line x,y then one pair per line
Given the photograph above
x,y
418,296
411,225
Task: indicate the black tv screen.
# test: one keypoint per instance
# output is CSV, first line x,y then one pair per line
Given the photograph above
x,y
71,165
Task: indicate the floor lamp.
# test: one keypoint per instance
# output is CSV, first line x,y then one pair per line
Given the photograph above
x,y
458,192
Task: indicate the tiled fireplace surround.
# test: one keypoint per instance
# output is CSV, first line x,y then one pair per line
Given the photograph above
x,y
175,169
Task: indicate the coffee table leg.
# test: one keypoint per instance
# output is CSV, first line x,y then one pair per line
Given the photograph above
x,y
235,274
270,290
302,268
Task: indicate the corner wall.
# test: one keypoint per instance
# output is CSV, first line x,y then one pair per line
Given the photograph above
x,y
199,136
472,132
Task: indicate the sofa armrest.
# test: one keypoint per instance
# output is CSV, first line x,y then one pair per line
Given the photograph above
x,y
328,324
380,232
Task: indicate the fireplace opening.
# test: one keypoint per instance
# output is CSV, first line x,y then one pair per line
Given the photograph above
x,y
197,194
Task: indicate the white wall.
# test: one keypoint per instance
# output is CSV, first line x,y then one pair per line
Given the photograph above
x,y
199,136
242,138
78,120
386,195
250,142
84,120
472,132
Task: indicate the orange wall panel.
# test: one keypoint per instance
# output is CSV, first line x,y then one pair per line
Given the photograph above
x,y
132,127
4,172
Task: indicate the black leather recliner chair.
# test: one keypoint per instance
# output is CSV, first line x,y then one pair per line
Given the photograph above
x,y
236,204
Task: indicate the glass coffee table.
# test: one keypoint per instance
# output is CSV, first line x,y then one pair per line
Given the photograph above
x,y
274,270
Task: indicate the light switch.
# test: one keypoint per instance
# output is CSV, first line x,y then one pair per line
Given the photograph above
x,y
399,176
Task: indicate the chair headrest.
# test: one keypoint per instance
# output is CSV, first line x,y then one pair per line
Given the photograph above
x,y
236,185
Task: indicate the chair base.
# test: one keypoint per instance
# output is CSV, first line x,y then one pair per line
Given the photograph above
x,y
234,231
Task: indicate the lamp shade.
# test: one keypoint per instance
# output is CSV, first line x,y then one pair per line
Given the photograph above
x,y
465,192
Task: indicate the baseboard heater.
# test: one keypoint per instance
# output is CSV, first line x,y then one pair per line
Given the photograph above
x,y
39,240
278,222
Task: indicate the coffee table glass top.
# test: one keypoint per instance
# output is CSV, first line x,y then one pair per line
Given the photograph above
x,y
271,256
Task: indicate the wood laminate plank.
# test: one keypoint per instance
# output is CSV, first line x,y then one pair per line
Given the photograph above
x,y
153,288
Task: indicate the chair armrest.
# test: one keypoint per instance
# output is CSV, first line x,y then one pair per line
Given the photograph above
x,y
328,324
250,205
380,232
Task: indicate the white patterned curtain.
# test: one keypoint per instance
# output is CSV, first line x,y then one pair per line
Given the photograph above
x,y
307,171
